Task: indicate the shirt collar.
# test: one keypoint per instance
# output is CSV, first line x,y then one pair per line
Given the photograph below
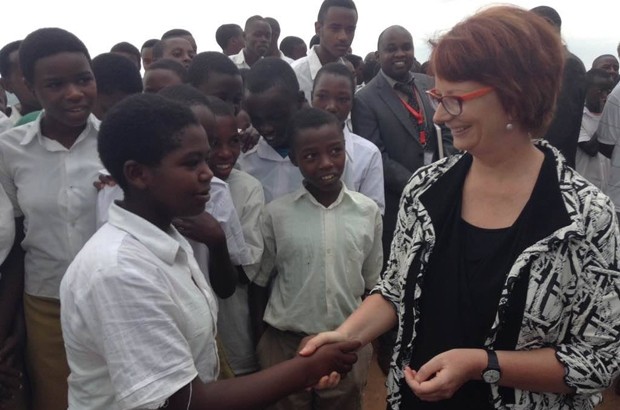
x,y
92,124
163,245
304,193
266,151
314,63
392,82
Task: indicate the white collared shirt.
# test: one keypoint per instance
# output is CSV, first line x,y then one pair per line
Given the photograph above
x,y
306,69
594,168
325,259
5,123
7,225
239,60
363,171
52,188
138,317
609,133
277,175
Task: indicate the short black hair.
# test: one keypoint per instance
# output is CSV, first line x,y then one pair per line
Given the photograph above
x,y
219,107
309,118
185,94
5,54
549,14
347,4
169,64
225,32
288,43
371,69
125,47
46,42
175,32
273,23
114,72
158,49
314,40
149,43
142,128
335,68
597,59
354,59
594,73
254,19
207,62
272,72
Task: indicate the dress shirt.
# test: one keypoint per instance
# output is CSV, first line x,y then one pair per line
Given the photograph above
x,y
239,60
52,188
7,225
363,171
325,259
306,69
138,317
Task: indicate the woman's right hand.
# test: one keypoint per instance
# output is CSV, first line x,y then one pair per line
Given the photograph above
x,y
310,344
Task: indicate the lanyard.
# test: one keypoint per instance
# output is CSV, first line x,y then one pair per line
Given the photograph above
x,y
419,118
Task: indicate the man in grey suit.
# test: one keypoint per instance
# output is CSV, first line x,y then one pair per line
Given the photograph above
x,y
394,112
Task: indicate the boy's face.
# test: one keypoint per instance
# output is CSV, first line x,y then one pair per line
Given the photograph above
x,y
179,49
225,146
320,155
155,80
147,57
226,87
270,112
258,37
179,185
337,30
596,94
299,51
332,93
65,86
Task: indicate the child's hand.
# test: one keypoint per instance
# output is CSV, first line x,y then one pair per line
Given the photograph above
x,y
336,357
310,344
103,181
249,138
203,228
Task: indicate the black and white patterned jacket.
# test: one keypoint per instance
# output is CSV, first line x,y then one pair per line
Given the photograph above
x,y
573,296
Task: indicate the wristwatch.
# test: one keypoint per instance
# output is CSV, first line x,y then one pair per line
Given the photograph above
x,y
492,373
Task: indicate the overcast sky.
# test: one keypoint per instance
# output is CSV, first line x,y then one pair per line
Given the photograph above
x,y
589,28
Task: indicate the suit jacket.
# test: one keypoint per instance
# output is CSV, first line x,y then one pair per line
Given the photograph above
x,y
379,115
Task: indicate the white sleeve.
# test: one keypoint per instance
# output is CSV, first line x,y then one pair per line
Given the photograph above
x,y
7,225
609,126
138,328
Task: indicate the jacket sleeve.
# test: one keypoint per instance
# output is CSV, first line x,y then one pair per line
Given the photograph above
x,y
591,351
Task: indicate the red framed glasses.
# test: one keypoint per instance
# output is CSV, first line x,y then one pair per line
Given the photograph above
x,y
453,104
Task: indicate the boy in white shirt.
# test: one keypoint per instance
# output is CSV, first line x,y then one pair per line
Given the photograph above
x,y
324,242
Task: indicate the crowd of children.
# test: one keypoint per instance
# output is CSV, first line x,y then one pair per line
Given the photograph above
x,y
177,253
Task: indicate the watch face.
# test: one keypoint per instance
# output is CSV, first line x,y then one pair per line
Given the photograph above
x,y
491,376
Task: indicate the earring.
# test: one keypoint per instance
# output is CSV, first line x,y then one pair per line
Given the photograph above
x,y
509,127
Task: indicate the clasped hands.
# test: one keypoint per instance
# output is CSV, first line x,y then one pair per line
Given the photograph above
x,y
438,379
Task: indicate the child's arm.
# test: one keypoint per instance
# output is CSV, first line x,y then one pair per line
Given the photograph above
x,y
205,229
263,388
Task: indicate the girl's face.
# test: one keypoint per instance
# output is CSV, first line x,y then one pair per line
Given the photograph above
x,y
65,86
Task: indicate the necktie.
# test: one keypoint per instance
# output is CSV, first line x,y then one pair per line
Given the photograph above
x,y
413,109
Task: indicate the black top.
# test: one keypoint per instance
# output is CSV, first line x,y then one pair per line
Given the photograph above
x,y
463,284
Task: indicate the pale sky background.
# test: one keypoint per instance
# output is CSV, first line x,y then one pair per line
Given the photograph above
x,y
589,28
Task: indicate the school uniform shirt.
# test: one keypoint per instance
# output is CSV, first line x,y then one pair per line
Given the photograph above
x,y
5,123
278,175
52,188
239,60
234,324
609,133
325,259
7,226
220,206
306,69
363,171
16,115
572,302
593,168
138,317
